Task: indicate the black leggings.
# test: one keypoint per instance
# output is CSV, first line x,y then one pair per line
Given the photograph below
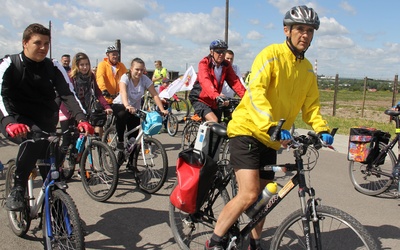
x,y
124,120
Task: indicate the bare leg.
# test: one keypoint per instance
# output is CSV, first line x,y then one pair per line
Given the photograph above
x,y
211,117
256,232
249,188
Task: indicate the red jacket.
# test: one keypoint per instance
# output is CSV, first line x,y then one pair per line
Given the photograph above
x,y
207,88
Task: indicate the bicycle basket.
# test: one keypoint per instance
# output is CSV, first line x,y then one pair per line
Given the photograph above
x,y
364,144
153,123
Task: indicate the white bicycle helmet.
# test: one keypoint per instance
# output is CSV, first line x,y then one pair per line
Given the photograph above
x,y
111,48
301,15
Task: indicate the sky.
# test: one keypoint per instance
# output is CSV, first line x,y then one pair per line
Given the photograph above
x,y
356,39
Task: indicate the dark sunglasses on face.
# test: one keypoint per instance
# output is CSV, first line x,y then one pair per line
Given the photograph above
x,y
219,52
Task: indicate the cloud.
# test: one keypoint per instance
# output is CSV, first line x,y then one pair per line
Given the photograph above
x,y
347,7
254,35
254,21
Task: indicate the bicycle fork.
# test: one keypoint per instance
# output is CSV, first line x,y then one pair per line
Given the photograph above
x,y
309,215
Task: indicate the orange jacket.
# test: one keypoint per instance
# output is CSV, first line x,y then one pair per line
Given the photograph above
x,y
106,80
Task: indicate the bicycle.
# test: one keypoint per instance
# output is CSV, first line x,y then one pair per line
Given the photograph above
x,y
313,226
146,156
377,177
98,169
172,121
180,108
193,122
59,217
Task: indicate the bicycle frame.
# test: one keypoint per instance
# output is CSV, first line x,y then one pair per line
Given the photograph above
x,y
43,198
297,180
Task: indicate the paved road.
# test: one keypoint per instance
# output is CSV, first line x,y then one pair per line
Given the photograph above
x,y
134,220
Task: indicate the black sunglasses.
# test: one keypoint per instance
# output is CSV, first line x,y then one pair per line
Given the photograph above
x,y
219,52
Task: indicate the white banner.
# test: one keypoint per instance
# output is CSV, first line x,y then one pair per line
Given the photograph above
x,y
181,84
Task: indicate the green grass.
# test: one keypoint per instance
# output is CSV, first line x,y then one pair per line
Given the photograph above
x,y
349,102
344,125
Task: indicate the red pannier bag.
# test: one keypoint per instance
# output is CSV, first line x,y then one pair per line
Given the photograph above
x,y
195,175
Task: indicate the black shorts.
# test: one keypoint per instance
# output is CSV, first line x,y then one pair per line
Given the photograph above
x,y
203,109
246,152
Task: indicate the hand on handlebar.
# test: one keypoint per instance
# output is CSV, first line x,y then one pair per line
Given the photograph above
x,y
327,138
17,130
86,127
286,138
222,101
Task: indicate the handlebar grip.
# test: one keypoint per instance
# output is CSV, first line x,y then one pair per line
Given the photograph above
x,y
333,132
277,130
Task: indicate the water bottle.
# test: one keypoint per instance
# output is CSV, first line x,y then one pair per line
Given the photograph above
x,y
262,200
130,144
79,147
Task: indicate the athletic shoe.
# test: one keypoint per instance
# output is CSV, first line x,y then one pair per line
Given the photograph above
x,y
15,200
216,247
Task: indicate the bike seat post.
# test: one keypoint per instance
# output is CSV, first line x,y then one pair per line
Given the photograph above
x,y
397,121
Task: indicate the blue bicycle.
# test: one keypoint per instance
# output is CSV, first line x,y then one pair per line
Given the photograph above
x,y
60,222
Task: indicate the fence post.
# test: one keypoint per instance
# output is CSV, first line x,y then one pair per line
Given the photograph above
x,y
365,93
335,94
395,82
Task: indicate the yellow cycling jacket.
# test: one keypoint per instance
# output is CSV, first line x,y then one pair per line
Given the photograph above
x,y
106,80
280,87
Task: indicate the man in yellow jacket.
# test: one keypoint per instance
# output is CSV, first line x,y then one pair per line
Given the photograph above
x,y
282,84
108,73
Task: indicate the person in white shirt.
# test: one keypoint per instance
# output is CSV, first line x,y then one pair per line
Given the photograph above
x,y
226,90
132,87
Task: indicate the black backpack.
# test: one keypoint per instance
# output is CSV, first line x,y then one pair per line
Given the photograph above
x,y
19,73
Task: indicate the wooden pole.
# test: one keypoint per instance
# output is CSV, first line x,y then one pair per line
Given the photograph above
x,y
335,94
365,93
118,45
395,82
50,39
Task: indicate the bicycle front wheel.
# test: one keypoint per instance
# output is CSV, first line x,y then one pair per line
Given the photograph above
x,y
19,221
225,158
111,139
65,231
99,171
192,230
373,179
172,124
180,108
150,163
337,230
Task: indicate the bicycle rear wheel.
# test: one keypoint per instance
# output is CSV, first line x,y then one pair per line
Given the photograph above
x,y
189,134
66,227
373,179
180,108
98,181
338,230
150,164
172,124
19,221
192,230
